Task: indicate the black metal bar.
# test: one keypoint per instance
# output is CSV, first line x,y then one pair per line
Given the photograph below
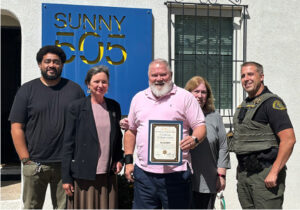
x,y
169,36
201,3
182,54
220,54
180,59
207,49
244,42
235,63
195,61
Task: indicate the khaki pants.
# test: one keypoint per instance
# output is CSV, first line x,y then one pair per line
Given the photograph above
x,y
253,193
35,185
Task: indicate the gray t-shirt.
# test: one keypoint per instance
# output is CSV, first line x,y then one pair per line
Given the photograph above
x,y
210,155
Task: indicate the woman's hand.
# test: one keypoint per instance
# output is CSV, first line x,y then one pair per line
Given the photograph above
x,y
69,189
117,167
221,183
124,124
221,180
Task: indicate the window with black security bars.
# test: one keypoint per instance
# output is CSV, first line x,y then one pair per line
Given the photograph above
x,y
203,46
206,41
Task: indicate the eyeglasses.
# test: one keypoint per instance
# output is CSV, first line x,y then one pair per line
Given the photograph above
x,y
198,91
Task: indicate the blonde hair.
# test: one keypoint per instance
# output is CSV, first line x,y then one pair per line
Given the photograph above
x,y
193,83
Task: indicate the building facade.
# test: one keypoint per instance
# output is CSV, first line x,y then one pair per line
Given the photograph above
x,y
211,38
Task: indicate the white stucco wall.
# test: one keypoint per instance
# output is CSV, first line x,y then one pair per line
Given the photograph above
x,y
272,39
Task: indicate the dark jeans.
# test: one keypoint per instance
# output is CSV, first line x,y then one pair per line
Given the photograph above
x,y
156,191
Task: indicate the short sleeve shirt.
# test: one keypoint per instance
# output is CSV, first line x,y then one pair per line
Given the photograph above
x,y
42,109
178,105
274,112
270,113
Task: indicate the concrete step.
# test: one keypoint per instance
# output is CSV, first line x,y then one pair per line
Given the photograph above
x,y
10,172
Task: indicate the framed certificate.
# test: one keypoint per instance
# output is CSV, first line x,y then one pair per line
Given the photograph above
x,y
164,139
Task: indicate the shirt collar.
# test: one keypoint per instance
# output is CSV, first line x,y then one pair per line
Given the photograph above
x,y
265,90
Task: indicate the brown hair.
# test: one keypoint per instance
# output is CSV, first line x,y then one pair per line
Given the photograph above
x,y
95,70
193,83
259,67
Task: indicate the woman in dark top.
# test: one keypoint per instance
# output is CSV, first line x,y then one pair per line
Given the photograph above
x,y
92,147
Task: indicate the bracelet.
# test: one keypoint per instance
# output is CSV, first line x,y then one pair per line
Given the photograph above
x,y
128,159
222,175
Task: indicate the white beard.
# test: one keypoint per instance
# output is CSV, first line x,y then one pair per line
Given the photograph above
x,y
164,90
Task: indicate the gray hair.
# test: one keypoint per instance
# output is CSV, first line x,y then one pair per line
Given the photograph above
x,y
161,61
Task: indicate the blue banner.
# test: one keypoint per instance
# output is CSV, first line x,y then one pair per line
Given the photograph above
x,y
120,38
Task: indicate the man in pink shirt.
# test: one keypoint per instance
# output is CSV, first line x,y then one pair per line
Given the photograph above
x,y
161,186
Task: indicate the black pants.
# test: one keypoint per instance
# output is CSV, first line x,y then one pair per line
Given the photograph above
x,y
204,200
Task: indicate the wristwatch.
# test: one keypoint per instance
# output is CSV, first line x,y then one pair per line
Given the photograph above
x,y
25,160
195,139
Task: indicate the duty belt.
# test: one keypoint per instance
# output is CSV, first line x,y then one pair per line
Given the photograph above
x,y
251,163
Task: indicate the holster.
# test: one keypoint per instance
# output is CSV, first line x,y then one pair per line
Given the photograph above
x,y
251,163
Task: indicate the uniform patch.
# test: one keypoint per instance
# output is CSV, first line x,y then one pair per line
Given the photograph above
x,y
277,104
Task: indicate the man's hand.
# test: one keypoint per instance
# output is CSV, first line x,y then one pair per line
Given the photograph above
x,y
190,142
287,141
271,180
69,189
129,144
187,143
129,172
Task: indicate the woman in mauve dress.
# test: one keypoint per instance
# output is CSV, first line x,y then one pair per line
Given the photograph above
x,y
92,147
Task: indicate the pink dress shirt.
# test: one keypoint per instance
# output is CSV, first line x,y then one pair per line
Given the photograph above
x,y
177,105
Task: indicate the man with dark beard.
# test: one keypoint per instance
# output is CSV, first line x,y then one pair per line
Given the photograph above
x,y
37,124
161,185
